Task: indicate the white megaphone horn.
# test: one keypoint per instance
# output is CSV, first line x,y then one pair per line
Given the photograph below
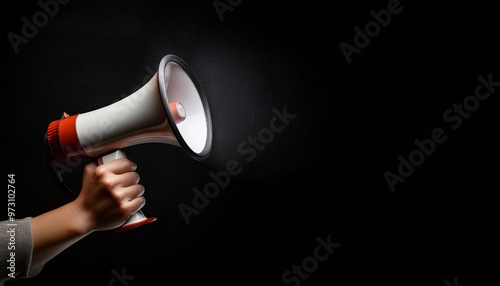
x,y
171,108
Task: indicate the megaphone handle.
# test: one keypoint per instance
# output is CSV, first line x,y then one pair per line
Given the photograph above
x,y
138,218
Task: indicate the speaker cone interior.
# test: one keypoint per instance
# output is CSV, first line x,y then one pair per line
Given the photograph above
x,y
178,84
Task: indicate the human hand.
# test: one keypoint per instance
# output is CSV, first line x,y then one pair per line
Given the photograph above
x,y
110,194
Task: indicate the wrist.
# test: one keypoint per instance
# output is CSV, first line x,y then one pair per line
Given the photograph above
x,y
82,222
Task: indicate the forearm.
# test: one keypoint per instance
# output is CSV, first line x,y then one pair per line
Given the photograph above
x,y
56,230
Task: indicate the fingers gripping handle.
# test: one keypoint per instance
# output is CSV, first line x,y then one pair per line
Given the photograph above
x,y
138,218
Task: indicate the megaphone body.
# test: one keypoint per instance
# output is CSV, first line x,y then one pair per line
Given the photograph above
x,y
171,108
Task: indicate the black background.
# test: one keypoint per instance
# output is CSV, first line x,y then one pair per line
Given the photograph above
x,y
323,175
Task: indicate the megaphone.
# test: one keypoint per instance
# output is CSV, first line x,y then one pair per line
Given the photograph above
x,y
171,108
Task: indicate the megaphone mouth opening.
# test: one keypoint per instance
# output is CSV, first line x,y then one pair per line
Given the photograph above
x,y
194,134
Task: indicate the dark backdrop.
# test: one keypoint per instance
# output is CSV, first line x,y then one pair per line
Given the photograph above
x,y
321,180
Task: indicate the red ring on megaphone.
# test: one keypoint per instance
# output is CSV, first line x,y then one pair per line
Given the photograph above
x,y
62,139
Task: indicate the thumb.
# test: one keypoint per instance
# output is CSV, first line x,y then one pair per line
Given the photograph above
x,y
90,168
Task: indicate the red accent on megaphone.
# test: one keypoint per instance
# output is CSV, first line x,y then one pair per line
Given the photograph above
x,y
62,139
135,224
174,110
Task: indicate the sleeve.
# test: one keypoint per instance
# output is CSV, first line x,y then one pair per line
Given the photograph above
x,y
16,250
